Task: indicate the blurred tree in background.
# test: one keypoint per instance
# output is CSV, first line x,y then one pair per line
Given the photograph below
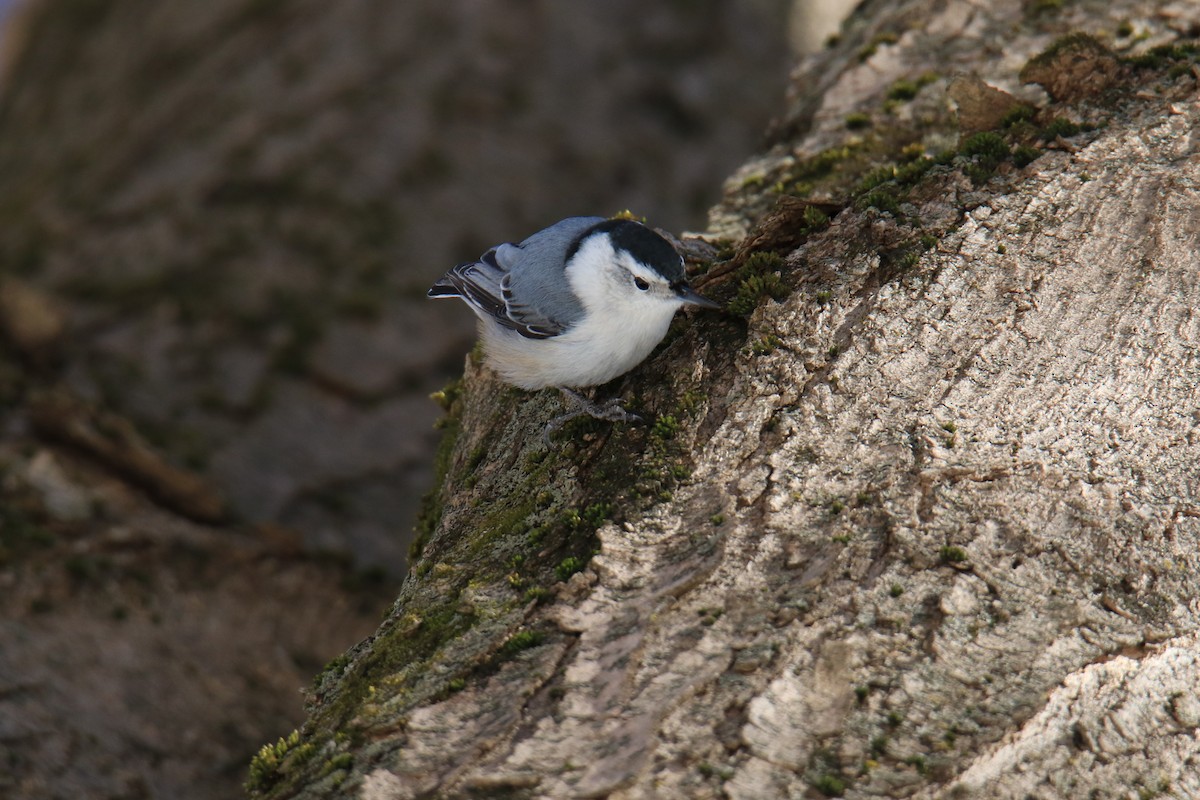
x,y
217,223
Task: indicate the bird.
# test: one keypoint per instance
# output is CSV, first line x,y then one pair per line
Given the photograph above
x,y
573,306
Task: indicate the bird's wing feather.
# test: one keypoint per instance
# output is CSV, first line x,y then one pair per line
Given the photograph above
x,y
537,284
517,285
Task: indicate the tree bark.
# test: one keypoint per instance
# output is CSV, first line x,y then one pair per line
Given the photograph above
x,y
922,523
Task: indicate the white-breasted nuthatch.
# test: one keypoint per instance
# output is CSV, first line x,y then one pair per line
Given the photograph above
x,y
574,305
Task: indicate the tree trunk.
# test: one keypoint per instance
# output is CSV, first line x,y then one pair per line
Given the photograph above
x,y
917,518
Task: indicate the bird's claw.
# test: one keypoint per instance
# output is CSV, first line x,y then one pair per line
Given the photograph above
x,y
609,411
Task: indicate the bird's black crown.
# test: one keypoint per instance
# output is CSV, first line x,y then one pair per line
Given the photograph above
x,y
640,242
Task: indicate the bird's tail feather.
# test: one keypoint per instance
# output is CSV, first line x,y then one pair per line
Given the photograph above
x,y
444,288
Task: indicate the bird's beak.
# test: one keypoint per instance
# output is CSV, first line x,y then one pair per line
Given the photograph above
x,y
688,295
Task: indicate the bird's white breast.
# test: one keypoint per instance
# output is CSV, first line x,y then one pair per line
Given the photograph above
x,y
593,352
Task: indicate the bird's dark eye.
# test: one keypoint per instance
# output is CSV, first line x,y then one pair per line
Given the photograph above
x,y
641,284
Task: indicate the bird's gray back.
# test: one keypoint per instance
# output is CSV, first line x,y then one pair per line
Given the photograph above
x,y
536,268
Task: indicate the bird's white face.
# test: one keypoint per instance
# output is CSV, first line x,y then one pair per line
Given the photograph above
x,y
613,282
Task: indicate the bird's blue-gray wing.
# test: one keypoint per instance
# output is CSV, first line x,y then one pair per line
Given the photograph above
x,y
478,283
522,286
537,288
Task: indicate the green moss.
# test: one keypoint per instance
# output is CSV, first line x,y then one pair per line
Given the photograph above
x,y
522,640
1179,70
332,671
885,187
1024,155
952,555
822,163
468,476
765,345
986,145
503,522
448,395
273,759
429,515
872,46
904,89
1061,126
1017,114
597,514
911,172
876,177
814,219
665,427
1075,42
858,121
394,659
1163,55
760,277
901,175
537,594
342,761
881,199
568,567
753,290
830,785
826,169
987,150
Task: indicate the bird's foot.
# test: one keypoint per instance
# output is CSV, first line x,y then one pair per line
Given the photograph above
x,y
609,410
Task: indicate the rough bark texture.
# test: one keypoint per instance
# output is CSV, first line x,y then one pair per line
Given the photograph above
x,y
923,522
